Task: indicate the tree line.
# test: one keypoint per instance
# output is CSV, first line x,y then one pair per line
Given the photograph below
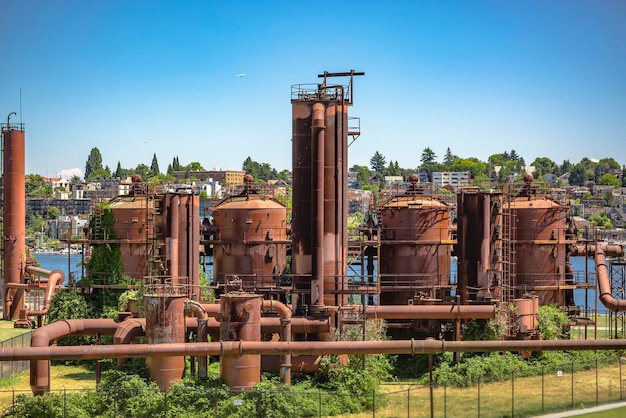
x,y
498,166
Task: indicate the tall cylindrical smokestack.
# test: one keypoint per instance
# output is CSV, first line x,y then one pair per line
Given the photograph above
x,y
14,236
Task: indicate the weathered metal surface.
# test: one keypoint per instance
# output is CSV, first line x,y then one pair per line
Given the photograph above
x,y
44,336
320,212
431,312
132,229
539,248
14,214
240,321
252,231
165,323
526,312
475,227
239,348
415,251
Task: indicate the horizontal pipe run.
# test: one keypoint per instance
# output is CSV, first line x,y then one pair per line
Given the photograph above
x,y
297,348
431,312
589,250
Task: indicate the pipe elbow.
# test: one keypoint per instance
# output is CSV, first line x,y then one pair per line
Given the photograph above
x,y
196,309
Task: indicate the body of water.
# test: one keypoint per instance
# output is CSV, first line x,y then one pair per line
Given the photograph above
x,y
64,262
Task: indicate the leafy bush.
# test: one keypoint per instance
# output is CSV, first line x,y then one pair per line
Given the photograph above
x,y
550,322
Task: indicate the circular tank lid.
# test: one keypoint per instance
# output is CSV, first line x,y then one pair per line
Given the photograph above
x,y
541,203
250,202
415,201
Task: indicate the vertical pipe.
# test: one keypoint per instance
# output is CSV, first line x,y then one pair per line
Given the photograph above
x,y
318,130
174,232
484,245
14,219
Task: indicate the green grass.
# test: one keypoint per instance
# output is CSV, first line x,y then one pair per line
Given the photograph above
x,y
7,330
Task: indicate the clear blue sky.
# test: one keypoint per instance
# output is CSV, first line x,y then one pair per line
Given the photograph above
x,y
134,78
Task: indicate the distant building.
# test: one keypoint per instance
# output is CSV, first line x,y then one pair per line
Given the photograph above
x,y
67,227
455,179
359,200
65,206
225,177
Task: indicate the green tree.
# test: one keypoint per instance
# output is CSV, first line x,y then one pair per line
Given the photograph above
x,y
53,212
36,187
476,167
143,170
119,172
362,174
94,162
543,166
193,166
449,159
428,156
98,174
154,167
609,180
377,162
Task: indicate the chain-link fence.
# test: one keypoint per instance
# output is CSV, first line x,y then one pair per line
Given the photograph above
x,y
9,368
568,386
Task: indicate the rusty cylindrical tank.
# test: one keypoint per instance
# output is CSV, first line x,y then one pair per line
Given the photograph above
x,y
133,231
539,242
240,321
14,237
165,323
252,234
415,248
309,157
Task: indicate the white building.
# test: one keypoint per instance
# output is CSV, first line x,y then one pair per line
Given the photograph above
x,y
455,179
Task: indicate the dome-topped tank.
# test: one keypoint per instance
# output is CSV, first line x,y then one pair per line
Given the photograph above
x,y
539,255
415,248
251,240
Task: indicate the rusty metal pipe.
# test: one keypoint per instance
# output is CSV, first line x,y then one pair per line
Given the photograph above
x,y
604,283
285,322
42,337
54,277
127,332
174,235
237,348
195,308
318,132
584,250
431,312
212,309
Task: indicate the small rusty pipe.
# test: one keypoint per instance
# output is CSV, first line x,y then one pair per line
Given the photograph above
x,y
237,348
604,284
589,250
127,332
212,309
197,310
54,277
42,337
431,312
318,131
285,321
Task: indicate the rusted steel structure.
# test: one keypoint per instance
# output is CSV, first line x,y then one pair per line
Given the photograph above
x,y
415,247
539,242
14,215
241,321
477,233
158,233
250,240
164,301
512,247
319,170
